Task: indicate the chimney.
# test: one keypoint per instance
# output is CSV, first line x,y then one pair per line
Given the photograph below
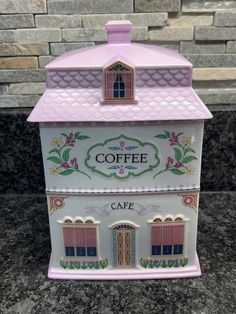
x,y
119,32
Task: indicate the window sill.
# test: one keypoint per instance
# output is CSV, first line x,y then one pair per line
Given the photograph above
x,y
124,101
166,257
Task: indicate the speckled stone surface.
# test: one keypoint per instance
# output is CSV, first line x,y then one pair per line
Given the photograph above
x,y
21,170
25,250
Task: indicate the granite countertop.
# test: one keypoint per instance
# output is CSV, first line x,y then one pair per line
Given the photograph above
x,y
25,250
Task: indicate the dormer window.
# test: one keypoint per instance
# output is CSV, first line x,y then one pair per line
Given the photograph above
x,y
119,84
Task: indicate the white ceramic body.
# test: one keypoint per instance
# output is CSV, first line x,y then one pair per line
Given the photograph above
x,y
151,196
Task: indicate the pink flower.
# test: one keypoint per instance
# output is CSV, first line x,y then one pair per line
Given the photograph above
x,y
74,162
122,145
170,161
178,164
174,139
70,141
65,165
121,171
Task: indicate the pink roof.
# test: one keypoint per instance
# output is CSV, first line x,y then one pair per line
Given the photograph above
x,y
140,55
118,38
74,84
155,104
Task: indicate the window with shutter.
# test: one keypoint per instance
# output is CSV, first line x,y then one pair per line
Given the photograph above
x,y
167,236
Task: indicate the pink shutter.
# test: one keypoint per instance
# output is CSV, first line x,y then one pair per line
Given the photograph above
x,y
91,237
167,235
128,84
68,236
156,236
178,234
110,79
79,237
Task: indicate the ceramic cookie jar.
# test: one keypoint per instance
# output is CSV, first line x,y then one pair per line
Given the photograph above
x,y
121,132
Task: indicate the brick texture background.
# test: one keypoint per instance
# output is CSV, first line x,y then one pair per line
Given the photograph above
x,y
34,32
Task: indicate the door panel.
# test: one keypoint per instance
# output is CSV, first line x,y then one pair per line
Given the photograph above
x,y
127,248
120,248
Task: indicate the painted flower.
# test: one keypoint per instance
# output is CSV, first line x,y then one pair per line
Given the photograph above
x,y
56,141
54,171
65,165
189,171
122,145
188,141
178,164
70,141
169,162
74,163
121,171
174,140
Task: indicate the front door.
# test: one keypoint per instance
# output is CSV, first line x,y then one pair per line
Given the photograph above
x,y
124,246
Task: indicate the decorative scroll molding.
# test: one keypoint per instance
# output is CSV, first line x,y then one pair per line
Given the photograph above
x,y
56,202
190,200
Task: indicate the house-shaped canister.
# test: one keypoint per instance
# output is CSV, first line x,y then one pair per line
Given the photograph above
x,y
121,131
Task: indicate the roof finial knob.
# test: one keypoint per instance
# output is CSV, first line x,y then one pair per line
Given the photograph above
x,y
119,32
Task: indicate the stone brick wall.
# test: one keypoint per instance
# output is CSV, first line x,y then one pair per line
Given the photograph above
x,y
33,32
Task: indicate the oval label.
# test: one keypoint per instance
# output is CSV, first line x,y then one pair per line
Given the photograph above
x,y
122,157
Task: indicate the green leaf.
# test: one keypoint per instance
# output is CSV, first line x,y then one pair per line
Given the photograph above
x,y
64,134
77,134
177,171
188,149
55,150
81,137
66,155
162,136
55,159
188,159
178,154
180,133
167,133
66,172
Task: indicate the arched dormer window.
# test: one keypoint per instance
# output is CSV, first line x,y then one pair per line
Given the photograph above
x,y
119,84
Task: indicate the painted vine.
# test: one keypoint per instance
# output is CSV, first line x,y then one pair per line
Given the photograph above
x,y
84,264
147,263
183,154
64,164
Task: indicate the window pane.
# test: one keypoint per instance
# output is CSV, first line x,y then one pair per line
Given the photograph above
x,y
80,251
70,251
122,93
178,249
91,251
167,249
116,93
156,250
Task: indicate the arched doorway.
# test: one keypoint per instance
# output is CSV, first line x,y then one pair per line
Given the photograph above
x,y
124,245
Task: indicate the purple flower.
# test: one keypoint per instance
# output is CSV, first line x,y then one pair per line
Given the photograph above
x,y
70,141
174,140
169,162
74,162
